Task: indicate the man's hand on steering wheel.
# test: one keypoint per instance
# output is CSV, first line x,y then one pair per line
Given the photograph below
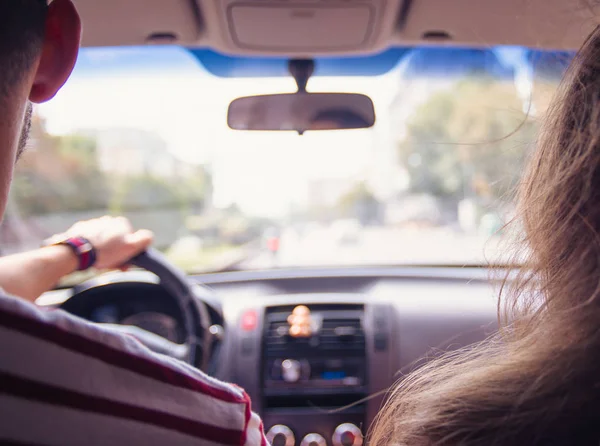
x,y
113,244
113,238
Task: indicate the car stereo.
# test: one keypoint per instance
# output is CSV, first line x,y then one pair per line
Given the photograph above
x,y
326,351
314,363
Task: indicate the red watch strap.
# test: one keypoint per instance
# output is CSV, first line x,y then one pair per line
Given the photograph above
x,y
83,249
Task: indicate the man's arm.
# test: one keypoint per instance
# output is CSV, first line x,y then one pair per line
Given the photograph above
x,y
30,274
64,380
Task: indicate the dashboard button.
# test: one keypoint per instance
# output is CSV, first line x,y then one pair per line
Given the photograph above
x,y
247,346
291,370
381,341
313,440
249,320
347,434
281,435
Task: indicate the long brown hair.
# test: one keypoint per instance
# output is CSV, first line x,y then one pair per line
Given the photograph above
x,y
537,382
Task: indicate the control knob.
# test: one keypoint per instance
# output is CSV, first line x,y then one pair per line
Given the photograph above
x,y
313,440
293,370
280,435
347,434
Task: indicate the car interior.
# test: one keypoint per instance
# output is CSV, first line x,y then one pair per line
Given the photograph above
x,y
318,331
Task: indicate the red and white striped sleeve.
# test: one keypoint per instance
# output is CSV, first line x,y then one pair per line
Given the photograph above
x,y
65,381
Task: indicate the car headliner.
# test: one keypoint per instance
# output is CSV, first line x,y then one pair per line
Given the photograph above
x,y
549,24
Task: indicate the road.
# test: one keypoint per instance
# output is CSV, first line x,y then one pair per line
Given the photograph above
x,y
380,246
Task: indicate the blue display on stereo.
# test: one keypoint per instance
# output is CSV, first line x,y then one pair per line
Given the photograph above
x,y
333,375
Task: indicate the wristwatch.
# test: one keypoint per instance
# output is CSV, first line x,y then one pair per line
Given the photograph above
x,y
82,248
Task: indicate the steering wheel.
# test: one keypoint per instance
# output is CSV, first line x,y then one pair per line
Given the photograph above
x,y
187,295
176,283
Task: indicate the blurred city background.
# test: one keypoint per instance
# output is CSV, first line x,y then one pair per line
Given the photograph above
x,y
432,183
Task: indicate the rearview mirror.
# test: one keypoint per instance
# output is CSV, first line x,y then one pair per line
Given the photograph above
x,y
301,111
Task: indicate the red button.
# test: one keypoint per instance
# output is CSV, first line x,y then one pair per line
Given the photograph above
x,y
249,320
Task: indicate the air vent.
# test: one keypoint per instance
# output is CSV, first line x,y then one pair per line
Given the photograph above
x,y
339,330
277,333
342,334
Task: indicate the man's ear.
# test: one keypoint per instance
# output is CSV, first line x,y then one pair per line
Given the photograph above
x,y
59,51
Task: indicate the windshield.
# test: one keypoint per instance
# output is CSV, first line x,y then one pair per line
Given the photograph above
x,y
142,132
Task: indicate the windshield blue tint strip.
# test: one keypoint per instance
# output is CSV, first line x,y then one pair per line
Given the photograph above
x,y
499,62
232,66
419,62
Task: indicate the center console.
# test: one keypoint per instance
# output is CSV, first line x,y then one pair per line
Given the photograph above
x,y
313,384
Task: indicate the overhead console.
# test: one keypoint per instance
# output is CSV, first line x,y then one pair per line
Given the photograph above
x,y
302,27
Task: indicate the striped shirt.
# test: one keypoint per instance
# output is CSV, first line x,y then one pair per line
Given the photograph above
x,y
65,381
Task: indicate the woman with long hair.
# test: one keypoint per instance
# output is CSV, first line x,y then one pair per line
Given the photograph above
x,y
537,382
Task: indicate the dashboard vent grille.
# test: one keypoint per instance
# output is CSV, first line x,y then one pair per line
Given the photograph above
x,y
339,330
342,333
277,333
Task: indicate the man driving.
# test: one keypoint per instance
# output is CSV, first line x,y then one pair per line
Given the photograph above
x,y
64,380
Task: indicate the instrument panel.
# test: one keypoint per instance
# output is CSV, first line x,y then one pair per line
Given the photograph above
x,y
144,305
316,350
319,377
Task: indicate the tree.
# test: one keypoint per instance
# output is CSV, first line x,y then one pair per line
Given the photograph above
x,y
360,203
470,140
58,174
189,193
145,192
62,174
195,189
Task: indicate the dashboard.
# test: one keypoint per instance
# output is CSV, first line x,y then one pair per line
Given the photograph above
x,y
358,330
